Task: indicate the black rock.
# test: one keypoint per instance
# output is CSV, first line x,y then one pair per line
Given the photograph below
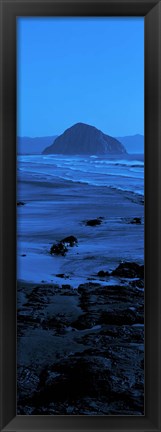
x,y
84,322
136,220
20,203
139,283
66,286
129,270
58,249
93,222
54,323
124,317
142,271
103,273
28,381
132,221
92,381
70,241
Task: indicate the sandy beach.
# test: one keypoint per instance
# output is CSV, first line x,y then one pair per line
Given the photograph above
x,y
80,316
62,211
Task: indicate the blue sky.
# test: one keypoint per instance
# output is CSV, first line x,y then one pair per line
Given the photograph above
x,y
73,70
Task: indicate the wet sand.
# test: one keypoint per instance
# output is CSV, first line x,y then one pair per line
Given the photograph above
x,y
62,211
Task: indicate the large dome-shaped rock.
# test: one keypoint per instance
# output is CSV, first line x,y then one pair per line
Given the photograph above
x,y
84,139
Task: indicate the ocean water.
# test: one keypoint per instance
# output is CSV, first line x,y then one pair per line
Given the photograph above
x,y
125,174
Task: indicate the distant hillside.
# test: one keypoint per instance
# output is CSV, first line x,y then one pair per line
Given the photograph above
x,y
27,145
84,139
133,144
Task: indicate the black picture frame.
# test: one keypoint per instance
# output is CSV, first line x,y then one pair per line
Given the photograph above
x,y
151,10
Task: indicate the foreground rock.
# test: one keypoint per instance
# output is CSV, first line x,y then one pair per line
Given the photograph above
x,y
61,248
129,270
89,384
95,364
58,249
103,273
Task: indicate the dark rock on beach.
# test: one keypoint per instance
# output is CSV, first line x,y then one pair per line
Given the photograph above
x,y
94,222
138,283
61,248
20,203
129,270
58,249
136,220
86,342
69,241
103,273
133,221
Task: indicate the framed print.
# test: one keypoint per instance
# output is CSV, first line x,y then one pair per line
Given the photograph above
x,y
80,316
80,216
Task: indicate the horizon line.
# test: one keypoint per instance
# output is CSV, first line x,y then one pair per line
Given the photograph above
x,y
53,135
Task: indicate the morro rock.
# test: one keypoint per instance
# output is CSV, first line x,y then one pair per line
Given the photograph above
x,y
87,140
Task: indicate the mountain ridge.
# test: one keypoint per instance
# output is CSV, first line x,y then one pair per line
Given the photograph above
x,y
134,144
33,145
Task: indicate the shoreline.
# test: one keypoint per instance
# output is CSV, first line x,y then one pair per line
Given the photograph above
x,y
81,322
62,212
